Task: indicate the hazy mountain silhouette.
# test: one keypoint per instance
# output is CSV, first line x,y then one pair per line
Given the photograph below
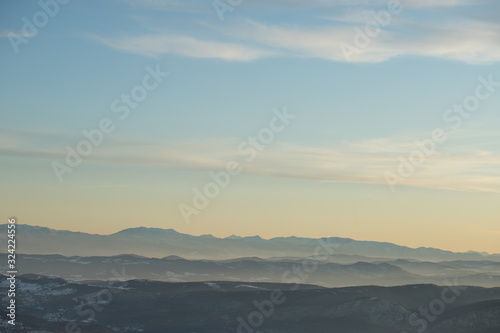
x,y
154,242
325,273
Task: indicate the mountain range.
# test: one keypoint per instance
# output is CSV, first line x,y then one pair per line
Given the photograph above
x,y
159,243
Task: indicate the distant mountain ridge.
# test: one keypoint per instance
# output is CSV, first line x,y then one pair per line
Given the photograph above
x,y
340,271
159,243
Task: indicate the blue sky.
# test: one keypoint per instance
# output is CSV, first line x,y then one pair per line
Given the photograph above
x,y
354,119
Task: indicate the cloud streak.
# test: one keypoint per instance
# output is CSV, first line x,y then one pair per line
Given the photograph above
x,y
457,169
198,5
155,45
468,41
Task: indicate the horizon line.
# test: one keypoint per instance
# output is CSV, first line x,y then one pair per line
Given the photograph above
x,y
265,239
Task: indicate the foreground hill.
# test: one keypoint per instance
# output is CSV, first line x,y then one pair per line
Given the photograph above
x,y
55,305
159,243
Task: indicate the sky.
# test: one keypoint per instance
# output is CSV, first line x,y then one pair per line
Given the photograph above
x,y
373,120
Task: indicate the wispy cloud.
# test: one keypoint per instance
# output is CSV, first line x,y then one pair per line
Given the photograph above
x,y
154,45
363,3
459,168
202,5
442,3
466,40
